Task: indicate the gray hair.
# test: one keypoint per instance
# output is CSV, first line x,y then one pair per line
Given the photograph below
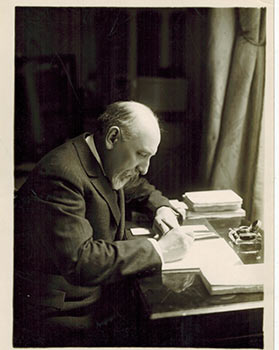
x,y
121,114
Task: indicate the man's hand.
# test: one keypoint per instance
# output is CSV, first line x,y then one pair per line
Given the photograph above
x,y
176,243
178,283
165,219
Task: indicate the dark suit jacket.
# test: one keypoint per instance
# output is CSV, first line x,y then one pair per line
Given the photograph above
x,y
69,230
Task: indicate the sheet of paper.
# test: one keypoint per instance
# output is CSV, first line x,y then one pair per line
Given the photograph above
x,y
205,235
201,231
207,253
140,231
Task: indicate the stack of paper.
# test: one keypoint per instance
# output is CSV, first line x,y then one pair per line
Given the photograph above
x,y
213,204
227,214
233,279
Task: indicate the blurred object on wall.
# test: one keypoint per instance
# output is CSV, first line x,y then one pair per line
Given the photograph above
x,y
162,94
46,103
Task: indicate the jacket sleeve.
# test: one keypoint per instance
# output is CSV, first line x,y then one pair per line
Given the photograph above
x,y
144,197
53,217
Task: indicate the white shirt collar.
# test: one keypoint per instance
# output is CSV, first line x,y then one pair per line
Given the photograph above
x,y
91,144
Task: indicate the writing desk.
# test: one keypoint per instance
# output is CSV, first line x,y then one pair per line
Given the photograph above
x,y
177,310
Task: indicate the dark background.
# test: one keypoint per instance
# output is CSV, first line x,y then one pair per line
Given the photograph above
x,y
71,62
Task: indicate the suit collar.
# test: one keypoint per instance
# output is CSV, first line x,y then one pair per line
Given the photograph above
x,y
94,172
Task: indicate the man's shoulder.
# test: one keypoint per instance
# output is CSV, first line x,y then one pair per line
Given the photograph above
x,y
66,151
64,158
62,165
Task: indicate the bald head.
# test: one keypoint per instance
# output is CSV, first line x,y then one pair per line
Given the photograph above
x,y
128,136
130,116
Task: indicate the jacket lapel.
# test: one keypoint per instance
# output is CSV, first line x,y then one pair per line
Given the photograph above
x,y
121,231
97,178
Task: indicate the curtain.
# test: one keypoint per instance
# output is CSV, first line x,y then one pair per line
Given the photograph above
x,y
235,72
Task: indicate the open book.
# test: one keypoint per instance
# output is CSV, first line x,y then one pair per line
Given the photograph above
x,y
206,253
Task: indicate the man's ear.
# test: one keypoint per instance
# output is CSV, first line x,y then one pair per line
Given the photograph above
x,y
112,137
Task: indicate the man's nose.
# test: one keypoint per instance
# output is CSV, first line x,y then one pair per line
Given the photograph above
x,y
143,166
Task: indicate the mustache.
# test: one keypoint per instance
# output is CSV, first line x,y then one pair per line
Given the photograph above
x,y
134,176
132,173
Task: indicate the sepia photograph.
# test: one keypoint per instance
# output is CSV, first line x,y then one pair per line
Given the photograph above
x,y
142,183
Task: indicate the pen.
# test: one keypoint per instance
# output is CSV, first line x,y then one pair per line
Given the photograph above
x,y
169,226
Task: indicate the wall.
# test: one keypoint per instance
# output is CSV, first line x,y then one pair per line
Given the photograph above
x,y
56,31
100,41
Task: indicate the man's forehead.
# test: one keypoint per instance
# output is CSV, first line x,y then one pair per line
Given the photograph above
x,y
148,139
146,122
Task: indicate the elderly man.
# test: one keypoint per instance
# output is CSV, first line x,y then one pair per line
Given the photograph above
x,y
71,251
